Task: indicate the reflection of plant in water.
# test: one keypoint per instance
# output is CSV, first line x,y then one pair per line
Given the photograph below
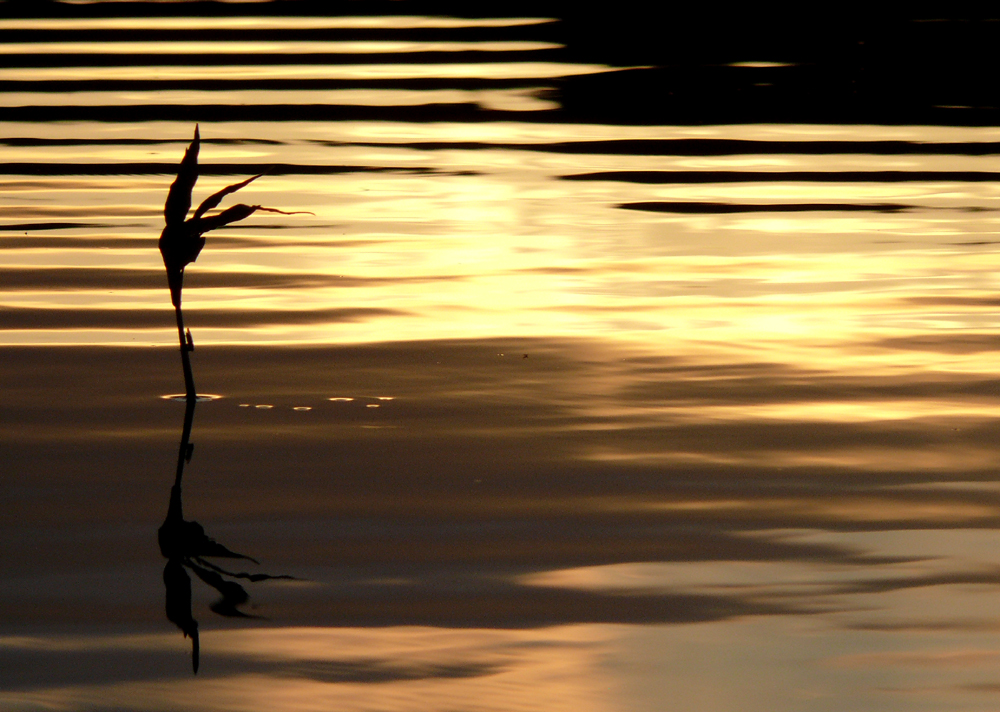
x,y
186,547
184,543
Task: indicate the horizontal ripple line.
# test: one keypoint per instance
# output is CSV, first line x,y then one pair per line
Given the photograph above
x,y
222,84
162,59
707,147
722,208
732,147
540,30
668,177
143,18
539,69
102,278
647,177
180,46
24,227
18,318
24,141
218,169
525,99
738,147
612,147
218,113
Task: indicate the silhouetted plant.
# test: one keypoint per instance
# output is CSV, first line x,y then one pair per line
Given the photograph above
x,y
182,238
184,543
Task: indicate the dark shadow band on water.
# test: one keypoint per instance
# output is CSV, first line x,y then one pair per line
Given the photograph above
x,y
640,177
470,112
737,147
93,667
217,169
25,227
263,83
685,177
74,278
689,65
164,59
44,239
30,141
724,208
475,113
699,147
536,31
27,318
614,147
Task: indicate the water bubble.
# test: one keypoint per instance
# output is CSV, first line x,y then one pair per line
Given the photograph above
x,y
199,398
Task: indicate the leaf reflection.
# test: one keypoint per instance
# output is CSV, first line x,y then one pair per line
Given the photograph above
x,y
186,547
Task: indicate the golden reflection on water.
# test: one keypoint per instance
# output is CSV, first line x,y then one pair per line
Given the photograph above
x,y
360,669
396,132
493,99
763,302
541,419
277,23
642,387
252,47
492,70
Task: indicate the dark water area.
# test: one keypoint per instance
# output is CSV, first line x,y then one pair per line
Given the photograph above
x,y
670,65
584,361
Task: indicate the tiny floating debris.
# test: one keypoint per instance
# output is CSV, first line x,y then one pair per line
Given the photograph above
x,y
263,407
373,405
340,399
302,407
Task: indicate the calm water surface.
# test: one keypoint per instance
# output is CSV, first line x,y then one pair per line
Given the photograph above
x,y
540,415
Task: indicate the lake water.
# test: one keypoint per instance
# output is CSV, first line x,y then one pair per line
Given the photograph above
x,y
539,413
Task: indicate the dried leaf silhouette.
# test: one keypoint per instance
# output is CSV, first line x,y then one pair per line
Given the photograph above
x,y
179,197
214,199
182,239
229,215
